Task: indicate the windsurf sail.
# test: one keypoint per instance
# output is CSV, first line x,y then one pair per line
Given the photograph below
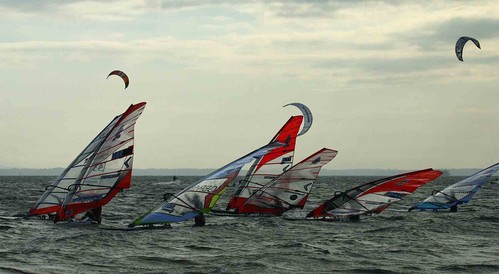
x,y
458,193
374,197
271,165
97,174
201,196
291,189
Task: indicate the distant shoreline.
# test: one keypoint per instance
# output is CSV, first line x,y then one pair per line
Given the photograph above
x,y
205,171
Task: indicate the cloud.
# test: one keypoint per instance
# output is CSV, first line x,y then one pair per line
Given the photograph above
x,y
369,41
99,10
35,6
280,8
31,6
301,9
435,35
480,28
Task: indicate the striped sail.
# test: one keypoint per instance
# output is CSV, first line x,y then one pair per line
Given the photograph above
x,y
291,189
269,166
458,193
201,196
374,197
97,174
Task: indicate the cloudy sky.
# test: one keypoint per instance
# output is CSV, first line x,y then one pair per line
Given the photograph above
x,y
380,77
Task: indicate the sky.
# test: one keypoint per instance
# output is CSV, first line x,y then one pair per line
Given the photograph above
x,y
380,77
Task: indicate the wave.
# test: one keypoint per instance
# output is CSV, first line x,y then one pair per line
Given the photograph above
x,y
14,270
470,268
371,271
166,261
492,219
392,218
201,247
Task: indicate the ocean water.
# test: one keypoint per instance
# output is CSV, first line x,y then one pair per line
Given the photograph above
x,y
395,241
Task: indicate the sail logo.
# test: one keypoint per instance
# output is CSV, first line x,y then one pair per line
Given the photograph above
x,y
110,176
396,195
204,188
286,159
306,186
88,198
122,153
127,162
316,161
168,207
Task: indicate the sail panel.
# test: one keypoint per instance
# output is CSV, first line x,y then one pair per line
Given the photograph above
x,y
201,196
374,197
458,193
271,165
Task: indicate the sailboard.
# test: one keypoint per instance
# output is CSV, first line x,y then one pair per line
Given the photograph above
x,y
200,197
270,166
291,189
98,173
458,193
373,197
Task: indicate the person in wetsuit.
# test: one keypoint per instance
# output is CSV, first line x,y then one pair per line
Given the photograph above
x,y
354,218
95,215
199,220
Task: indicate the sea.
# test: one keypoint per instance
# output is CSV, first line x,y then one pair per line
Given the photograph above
x,y
395,241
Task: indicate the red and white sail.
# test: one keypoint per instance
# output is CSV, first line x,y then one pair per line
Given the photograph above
x,y
97,174
374,197
270,166
291,189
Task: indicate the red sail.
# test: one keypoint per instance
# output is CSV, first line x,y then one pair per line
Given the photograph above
x,y
271,165
291,189
374,197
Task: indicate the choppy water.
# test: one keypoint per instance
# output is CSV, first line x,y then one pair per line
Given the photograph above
x,y
392,242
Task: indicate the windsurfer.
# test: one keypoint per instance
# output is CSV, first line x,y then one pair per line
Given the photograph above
x,y
453,208
354,218
199,220
167,196
94,215
174,178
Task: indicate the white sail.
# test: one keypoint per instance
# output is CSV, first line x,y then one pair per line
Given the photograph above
x,y
97,174
201,196
291,189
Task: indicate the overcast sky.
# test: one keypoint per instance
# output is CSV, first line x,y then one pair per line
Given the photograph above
x,y
380,77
